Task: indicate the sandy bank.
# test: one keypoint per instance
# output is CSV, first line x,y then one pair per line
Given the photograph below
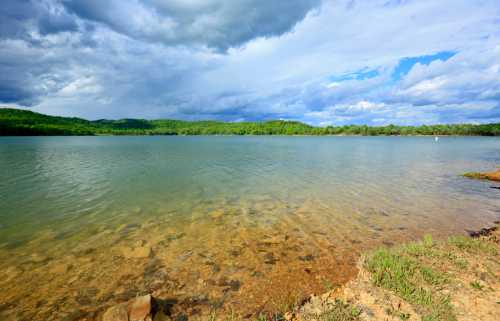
x,y
457,279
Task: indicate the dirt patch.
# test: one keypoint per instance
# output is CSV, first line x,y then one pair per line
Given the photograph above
x,y
456,280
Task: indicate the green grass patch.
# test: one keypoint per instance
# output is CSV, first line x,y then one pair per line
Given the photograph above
x,y
472,245
400,271
476,285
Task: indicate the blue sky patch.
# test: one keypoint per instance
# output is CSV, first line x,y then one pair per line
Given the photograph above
x,y
406,64
361,74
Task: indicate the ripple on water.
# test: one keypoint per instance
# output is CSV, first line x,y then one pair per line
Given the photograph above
x,y
245,223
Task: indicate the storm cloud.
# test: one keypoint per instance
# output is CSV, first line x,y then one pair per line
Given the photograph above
x,y
219,24
323,62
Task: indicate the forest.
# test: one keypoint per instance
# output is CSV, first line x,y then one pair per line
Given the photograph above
x,y
17,122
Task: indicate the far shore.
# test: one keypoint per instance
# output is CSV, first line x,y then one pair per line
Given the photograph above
x,y
16,122
248,135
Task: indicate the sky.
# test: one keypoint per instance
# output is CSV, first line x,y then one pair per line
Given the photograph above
x,y
323,62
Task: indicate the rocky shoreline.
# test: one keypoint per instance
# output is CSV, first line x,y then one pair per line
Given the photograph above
x,y
470,266
472,287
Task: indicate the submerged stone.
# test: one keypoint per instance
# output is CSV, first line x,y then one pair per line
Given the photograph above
x,y
39,259
61,268
116,313
140,308
74,316
269,258
175,236
234,285
137,252
307,258
217,214
257,274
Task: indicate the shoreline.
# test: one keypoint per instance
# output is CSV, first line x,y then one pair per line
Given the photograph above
x,y
245,135
380,290
452,280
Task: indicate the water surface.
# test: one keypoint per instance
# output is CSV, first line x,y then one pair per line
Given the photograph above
x,y
248,224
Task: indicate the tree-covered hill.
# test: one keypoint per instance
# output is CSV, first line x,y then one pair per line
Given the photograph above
x,y
16,122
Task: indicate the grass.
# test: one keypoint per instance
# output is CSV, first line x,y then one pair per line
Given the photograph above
x,y
476,285
399,314
401,271
421,273
472,245
341,311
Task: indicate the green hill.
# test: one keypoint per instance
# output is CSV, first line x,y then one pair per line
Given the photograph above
x,y
16,122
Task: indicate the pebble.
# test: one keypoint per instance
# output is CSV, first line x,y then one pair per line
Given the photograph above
x,y
269,258
60,268
307,258
37,258
137,252
217,214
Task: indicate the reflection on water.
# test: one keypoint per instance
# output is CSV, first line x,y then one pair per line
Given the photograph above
x,y
248,224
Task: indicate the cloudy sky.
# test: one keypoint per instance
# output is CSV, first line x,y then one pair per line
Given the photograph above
x,y
320,61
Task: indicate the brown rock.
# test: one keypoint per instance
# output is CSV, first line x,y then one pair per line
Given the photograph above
x,y
140,308
116,313
137,252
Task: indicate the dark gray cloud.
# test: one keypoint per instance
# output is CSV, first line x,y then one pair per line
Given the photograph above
x,y
218,24
20,18
50,23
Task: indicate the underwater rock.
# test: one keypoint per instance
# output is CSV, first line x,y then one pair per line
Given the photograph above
x,y
12,272
236,252
127,228
186,255
116,313
234,285
175,236
60,268
74,316
217,214
257,274
482,232
38,258
137,252
307,258
269,258
140,308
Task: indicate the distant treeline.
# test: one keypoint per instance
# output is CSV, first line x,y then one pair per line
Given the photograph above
x,y
16,122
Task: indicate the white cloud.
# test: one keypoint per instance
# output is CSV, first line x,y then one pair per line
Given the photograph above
x,y
156,63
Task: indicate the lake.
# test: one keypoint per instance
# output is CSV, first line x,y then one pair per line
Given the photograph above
x,y
243,224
